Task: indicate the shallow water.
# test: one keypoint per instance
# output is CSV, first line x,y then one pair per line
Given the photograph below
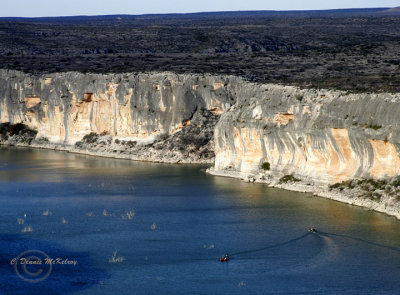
x,y
183,221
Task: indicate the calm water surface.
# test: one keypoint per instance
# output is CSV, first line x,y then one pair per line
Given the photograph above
x,y
183,221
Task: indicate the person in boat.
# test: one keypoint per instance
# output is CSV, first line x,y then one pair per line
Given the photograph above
x,y
224,257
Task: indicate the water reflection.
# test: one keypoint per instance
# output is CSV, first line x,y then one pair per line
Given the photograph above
x,y
306,210
33,165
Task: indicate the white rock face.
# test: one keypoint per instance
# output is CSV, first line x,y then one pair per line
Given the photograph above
x,y
64,107
321,136
318,135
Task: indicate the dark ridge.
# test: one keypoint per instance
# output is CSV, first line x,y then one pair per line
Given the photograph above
x,y
350,49
234,14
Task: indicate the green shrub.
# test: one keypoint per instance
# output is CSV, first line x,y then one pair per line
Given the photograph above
x,y
266,166
131,143
288,178
91,137
336,186
4,128
396,182
375,127
299,97
17,128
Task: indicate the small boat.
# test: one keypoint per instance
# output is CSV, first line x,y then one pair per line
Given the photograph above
x,y
224,259
312,230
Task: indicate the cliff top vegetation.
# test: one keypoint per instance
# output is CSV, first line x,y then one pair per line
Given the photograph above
x,y
354,50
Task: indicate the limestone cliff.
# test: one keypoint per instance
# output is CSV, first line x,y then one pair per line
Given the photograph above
x,y
319,136
64,107
142,114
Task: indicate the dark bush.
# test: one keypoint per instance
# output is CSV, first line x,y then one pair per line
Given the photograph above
x,y
375,127
17,128
288,178
299,97
131,143
396,182
4,128
91,137
266,166
336,186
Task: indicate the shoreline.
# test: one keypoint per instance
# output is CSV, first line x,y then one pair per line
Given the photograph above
x,y
385,205
104,154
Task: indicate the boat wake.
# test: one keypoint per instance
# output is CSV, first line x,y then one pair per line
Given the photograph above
x,y
271,246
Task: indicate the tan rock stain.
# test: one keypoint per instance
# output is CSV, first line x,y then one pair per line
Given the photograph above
x,y
349,162
218,85
216,111
4,113
31,101
176,129
386,159
283,119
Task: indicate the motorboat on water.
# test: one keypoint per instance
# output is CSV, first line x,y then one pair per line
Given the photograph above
x,y
225,258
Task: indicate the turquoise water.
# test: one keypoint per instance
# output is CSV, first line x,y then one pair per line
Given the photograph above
x,y
184,220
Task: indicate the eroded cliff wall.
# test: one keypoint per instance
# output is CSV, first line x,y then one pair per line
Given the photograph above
x,y
64,107
320,136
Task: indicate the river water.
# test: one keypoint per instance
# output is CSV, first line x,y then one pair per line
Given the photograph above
x,y
167,226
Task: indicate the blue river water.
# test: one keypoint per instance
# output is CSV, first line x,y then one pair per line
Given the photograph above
x,y
147,228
